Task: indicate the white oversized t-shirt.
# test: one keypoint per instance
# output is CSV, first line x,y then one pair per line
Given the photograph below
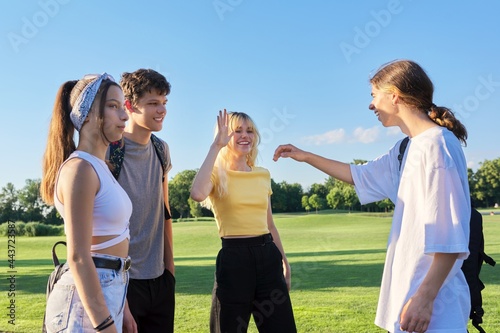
x,y
432,214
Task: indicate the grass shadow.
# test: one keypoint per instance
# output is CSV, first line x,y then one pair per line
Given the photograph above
x,y
312,274
31,275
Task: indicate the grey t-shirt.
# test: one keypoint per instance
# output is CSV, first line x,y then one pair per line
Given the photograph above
x,y
141,177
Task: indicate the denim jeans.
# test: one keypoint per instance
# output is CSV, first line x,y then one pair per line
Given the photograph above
x,y
65,311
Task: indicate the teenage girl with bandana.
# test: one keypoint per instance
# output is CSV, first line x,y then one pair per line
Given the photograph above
x,y
90,296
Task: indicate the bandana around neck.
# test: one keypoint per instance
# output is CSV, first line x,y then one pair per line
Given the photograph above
x,y
84,101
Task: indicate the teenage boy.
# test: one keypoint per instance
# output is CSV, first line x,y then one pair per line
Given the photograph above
x,y
150,295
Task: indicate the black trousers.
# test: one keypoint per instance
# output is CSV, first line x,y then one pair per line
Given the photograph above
x,y
152,303
249,281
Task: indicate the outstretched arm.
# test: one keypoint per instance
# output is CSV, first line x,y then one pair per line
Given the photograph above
x,y
336,169
202,185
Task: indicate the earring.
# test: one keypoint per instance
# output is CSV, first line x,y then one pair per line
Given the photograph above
x,y
128,105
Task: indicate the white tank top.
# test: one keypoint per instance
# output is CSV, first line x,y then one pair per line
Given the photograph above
x,y
112,206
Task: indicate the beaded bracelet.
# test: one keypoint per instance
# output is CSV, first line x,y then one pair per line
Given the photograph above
x,y
103,324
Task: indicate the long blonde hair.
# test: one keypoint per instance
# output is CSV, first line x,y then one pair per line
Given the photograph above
x,y
222,162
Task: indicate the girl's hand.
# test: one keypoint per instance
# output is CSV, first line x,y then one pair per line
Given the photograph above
x,y
289,151
287,272
223,136
416,314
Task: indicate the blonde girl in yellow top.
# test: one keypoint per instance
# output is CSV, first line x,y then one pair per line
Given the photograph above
x,y
252,273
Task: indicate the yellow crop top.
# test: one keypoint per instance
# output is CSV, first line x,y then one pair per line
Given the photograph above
x,y
243,211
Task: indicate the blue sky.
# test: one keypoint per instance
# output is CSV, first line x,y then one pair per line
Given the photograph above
x,y
299,68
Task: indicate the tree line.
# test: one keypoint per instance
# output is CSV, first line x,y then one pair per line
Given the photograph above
x,y
26,204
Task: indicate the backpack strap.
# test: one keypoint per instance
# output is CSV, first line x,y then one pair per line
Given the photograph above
x,y
116,154
56,274
160,151
402,148
487,259
55,259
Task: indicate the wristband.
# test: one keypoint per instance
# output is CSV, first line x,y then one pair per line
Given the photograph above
x,y
106,326
103,324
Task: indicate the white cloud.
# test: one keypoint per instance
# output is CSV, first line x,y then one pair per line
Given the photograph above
x,y
334,136
366,135
393,131
360,134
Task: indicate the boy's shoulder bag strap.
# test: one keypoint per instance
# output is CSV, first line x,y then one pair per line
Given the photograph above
x,y
160,151
116,155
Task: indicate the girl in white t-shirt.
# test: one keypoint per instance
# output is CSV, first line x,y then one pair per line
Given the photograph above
x,y
423,288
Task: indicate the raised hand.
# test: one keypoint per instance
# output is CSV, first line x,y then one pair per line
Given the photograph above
x,y
223,135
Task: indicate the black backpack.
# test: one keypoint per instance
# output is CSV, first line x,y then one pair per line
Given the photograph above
x,y
472,265
59,270
117,154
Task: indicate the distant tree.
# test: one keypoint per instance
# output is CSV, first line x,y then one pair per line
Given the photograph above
x,y
359,162
370,207
286,197
317,202
335,198
9,204
319,189
53,217
486,184
350,196
330,183
305,203
293,193
195,208
386,205
278,199
179,188
31,203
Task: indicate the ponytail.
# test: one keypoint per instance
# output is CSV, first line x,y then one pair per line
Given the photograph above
x,y
414,87
444,117
60,142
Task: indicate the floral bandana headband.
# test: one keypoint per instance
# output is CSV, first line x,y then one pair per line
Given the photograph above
x,y
84,101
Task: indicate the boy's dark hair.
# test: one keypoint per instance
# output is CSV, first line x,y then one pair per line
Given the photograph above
x,y
138,83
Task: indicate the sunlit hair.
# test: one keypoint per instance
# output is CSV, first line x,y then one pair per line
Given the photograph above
x,y
223,161
136,84
60,141
414,87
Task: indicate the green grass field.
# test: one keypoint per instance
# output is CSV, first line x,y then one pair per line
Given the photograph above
x,y
336,260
